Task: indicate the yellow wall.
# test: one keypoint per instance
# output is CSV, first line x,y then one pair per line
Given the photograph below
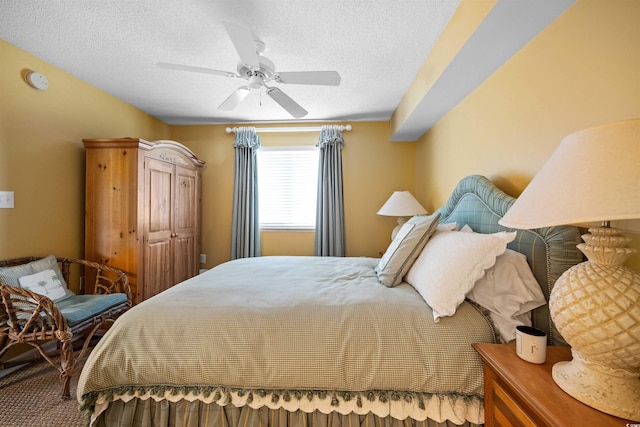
x,y
42,156
42,161
373,168
581,71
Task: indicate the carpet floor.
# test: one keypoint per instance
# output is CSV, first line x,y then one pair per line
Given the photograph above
x,y
30,397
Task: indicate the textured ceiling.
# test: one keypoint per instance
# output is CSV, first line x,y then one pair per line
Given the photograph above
x,y
378,47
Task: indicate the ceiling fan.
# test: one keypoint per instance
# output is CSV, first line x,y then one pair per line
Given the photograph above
x,y
257,70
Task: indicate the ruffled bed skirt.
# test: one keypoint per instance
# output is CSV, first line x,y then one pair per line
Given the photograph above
x,y
147,408
184,413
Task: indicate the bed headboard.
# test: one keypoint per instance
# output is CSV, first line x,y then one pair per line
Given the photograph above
x,y
550,251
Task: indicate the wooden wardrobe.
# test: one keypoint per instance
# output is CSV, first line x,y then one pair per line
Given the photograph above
x,y
143,211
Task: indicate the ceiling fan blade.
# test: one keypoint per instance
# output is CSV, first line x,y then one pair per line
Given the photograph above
x,y
242,40
235,98
286,102
192,69
328,78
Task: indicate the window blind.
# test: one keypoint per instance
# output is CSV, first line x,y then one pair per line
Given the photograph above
x,y
287,187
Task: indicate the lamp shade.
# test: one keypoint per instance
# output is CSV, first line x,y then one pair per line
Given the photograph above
x,y
401,203
593,176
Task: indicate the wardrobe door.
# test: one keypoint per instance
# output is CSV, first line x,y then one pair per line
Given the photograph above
x,y
186,229
159,213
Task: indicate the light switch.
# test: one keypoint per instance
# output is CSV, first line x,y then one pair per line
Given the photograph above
x,y
6,199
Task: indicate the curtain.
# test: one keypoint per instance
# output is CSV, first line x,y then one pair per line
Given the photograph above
x,y
245,227
330,236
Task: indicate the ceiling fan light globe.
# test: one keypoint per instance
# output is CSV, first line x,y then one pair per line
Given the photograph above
x,y
255,82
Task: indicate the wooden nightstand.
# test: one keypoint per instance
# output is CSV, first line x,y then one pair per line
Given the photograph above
x,y
519,393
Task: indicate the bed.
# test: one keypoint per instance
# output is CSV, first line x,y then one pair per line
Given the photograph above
x,y
331,341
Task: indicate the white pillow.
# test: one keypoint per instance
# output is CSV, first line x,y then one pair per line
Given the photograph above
x,y
44,283
405,248
450,264
509,291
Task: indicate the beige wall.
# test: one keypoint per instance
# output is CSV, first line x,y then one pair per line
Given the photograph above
x,y
373,168
581,71
42,156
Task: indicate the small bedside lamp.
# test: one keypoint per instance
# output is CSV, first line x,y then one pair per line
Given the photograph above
x,y
594,175
403,205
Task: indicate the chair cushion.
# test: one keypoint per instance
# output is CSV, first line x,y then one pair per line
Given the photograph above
x,y
82,307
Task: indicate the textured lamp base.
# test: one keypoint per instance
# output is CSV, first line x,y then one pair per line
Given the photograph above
x,y
613,391
596,307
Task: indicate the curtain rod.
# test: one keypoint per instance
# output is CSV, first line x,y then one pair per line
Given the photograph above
x,y
292,129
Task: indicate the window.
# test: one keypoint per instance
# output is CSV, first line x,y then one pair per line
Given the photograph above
x,y
287,187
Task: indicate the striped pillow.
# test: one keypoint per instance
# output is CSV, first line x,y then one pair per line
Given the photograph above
x,y
405,248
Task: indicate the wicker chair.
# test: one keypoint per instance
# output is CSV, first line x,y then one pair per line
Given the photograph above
x,y
30,318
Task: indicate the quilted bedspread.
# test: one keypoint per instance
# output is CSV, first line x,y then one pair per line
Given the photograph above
x,y
294,324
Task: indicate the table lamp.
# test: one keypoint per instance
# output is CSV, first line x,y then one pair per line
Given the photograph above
x,y
594,176
403,205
